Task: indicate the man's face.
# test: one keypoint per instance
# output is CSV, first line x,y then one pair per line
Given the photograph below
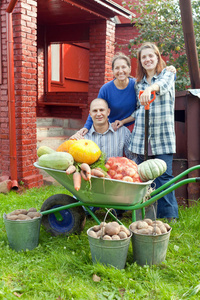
x,y
99,112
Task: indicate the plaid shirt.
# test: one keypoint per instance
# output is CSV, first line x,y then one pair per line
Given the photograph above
x,y
161,117
112,143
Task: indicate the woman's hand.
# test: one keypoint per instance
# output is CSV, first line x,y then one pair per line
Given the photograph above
x,y
145,97
171,69
79,135
117,124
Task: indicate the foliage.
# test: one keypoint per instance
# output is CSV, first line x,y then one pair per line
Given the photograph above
x,y
159,21
61,267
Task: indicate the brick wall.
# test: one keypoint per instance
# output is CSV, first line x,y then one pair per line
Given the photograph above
x,y
102,38
123,36
25,79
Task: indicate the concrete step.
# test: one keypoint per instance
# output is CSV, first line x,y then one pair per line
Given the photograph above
x,y
65,123
52,142
52,132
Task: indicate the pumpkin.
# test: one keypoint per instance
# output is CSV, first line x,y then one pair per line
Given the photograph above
x,y
151,169
85,151
44,150
56,160
64,147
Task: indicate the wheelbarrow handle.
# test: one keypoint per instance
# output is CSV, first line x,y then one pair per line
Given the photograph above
x,y
150,101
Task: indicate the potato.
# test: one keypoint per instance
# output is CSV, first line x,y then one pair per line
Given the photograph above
x,y
148,221
133,225
21,217
19,211
122,235
124,229
11,217
142,224
156,230
167,226
163,229
96,228
92,233
157,222
107,237
143,231
103,224
115,237
34,215
32,209
101,232
111,229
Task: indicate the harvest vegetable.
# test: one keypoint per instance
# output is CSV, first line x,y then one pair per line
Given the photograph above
x,y
64,147
122,168
109,231
151,169
149,227
71,170
23,214
85,151
56,160
97,173
44,150
77,181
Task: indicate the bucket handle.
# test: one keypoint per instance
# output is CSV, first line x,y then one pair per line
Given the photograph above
x,y
109,210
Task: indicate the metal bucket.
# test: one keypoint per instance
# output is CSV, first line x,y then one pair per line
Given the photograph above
x,y
23,234
109,252
149,249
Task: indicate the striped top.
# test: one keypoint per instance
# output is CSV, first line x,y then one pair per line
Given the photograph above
x,y
161,117
112,143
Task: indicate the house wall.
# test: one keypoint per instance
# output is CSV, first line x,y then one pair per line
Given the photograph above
x,y
25,83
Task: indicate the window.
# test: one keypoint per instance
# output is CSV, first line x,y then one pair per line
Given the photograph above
x,y
69,67
56,55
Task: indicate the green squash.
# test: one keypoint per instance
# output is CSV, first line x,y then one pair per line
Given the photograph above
x,y
56,160
44,150
151,169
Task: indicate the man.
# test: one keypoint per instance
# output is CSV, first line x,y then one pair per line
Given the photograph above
x,y
112,143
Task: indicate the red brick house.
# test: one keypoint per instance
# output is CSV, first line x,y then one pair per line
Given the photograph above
x,y
80,34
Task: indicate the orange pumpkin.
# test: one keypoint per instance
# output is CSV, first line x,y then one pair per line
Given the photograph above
x,y
85,151
64,147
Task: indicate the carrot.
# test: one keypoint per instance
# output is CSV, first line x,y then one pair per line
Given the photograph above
x,y
84,175
77,181
87,170
85,167
97,173
71,169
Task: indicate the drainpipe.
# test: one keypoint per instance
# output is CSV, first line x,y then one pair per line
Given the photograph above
x,y
190,43
11,94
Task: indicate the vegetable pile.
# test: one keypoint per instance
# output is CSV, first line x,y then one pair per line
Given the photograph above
x,y
149,227
23,214
83,159
122,168
109,231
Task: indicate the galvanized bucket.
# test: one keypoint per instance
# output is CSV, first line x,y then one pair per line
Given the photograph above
x,y
149,249
23,234
109,252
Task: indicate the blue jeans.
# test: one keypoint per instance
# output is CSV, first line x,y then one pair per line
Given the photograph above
x,y
167,205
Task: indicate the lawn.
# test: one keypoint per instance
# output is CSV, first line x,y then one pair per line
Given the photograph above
x,y
62,268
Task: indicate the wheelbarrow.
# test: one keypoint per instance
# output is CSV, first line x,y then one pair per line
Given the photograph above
x,y
64,214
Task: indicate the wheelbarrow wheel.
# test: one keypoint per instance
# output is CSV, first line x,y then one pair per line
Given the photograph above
x,y
73,219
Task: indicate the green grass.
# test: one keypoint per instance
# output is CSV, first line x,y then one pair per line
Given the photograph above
x,y
62,268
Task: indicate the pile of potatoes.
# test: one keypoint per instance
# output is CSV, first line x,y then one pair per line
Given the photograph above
x,y
149,227
23,214
109,231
